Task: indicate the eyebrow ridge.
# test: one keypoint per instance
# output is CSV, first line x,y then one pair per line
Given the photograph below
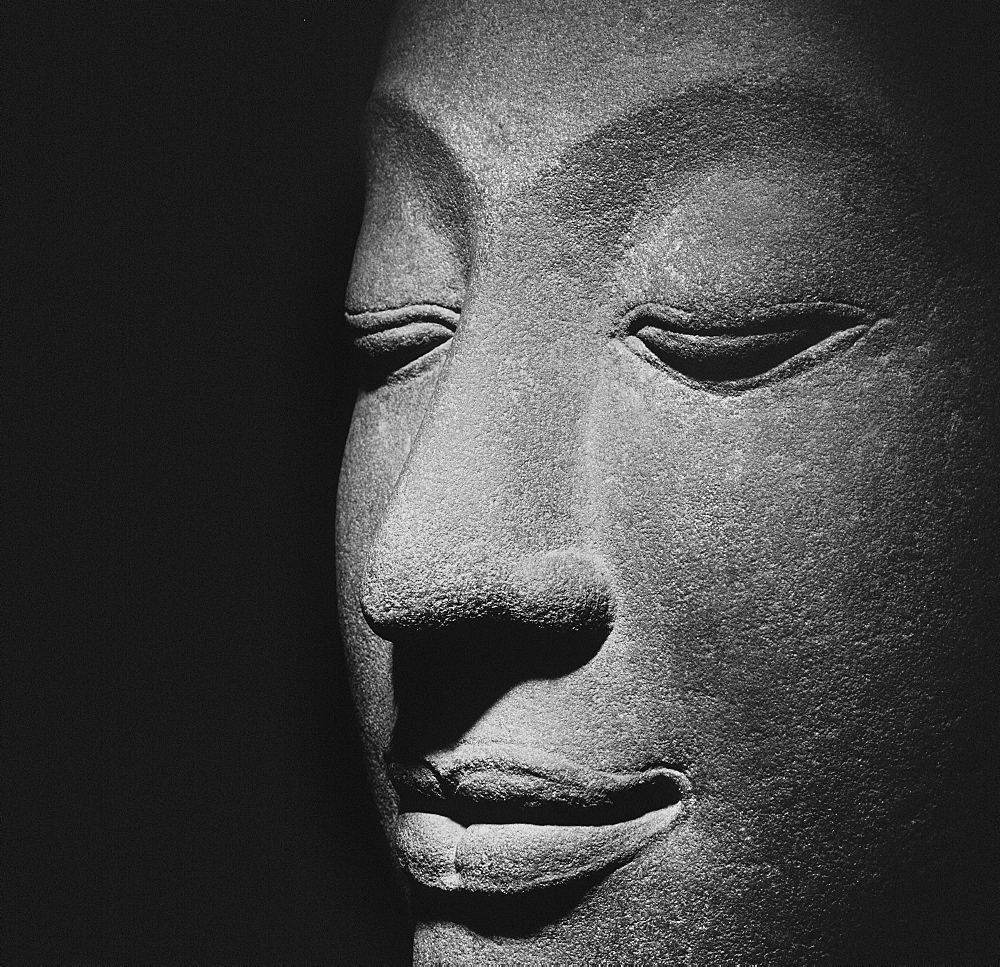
x,y
694,127
429,157
714,104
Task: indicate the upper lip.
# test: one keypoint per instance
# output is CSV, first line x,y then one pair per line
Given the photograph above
x,y
516,784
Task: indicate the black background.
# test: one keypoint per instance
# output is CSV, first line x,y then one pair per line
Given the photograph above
x,y
182,194
181,189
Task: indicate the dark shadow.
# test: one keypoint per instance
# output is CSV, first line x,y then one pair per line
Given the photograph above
x,y
448,680
503,916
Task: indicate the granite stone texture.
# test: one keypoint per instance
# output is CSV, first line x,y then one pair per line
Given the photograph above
x,y
667,523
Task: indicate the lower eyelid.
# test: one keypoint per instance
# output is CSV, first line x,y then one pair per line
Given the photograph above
x,y
399,351
732,362
392,342
403,337
689,345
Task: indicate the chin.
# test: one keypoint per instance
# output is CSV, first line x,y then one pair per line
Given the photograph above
x,y
655,912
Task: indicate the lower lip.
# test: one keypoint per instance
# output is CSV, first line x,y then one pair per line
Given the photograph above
x,y
514,858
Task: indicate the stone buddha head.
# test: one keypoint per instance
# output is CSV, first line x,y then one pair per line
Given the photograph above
x,y
667,527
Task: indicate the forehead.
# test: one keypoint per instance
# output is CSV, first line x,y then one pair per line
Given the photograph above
x,y
509,86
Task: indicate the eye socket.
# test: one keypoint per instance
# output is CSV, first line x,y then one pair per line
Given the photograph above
x,y
393,344
732,355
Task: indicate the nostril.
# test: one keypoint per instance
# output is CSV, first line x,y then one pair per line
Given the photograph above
x,y
478,627
374,610
387,600
565,592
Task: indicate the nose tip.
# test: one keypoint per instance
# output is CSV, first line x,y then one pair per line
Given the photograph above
x,y
564,592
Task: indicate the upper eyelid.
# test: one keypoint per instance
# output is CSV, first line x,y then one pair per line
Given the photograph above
x,y
749,321
377,320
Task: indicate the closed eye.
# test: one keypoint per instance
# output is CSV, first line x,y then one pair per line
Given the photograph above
x,y
393,344
735,354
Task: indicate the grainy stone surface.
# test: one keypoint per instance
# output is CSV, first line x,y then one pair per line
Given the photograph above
x,y
667,521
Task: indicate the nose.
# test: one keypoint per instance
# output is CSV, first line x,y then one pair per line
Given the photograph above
x,y
563,591
487,532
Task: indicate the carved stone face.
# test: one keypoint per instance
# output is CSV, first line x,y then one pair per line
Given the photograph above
x,y
666,526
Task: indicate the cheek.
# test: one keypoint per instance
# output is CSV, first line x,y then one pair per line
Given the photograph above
x,y
802,580
794,575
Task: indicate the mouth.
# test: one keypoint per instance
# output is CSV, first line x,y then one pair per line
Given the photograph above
x,y
508,820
